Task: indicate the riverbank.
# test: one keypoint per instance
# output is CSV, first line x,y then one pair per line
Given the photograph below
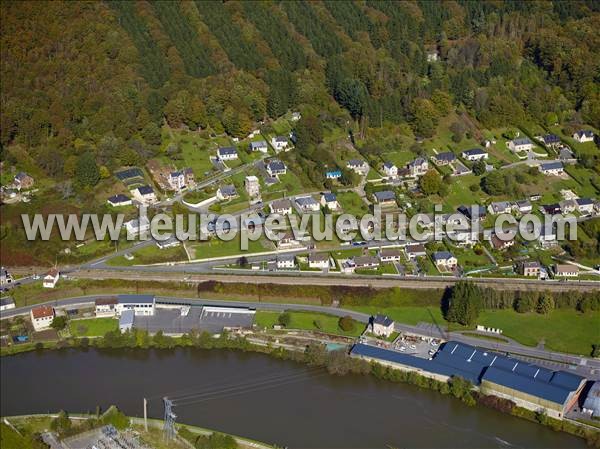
x,y
316,355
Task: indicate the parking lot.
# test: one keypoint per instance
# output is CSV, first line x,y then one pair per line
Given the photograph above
x,y
417,346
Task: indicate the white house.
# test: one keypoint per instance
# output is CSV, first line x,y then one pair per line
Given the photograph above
x,y
523,207
281,207
51,278
318,260
476,154
414,251
280,143
261,146
547,239
382,326
119,200
500,207
385,198
41,317
550,140
6,303
306,204
227,192
358,166
176,180
288,240
5,277
585,206
418,167
330,201
140,304
444,158
276,168
137,226
566,270
106,307
389,255
286,262
552,168
517,145
583,136
390,170
366,261
145,194
252,186
444,259
227,154
531,268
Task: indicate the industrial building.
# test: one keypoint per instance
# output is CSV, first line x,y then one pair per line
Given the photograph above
x,y
529,386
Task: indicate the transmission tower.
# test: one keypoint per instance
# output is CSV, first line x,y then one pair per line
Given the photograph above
x,y
169,426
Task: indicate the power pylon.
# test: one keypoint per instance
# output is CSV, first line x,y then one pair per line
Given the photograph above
x,y
169,426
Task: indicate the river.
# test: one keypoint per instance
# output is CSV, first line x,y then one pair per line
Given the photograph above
x,y
259,397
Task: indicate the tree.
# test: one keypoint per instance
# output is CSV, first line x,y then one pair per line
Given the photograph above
x,y
430,183
479,167
464,303
62,423
59,323
87,173
352,94
346,323
494,183
595,350
545,304
524,303
284,319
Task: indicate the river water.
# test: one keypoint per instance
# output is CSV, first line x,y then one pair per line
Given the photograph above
x,y
256,396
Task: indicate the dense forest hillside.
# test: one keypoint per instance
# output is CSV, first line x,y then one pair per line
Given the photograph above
x,y
104,75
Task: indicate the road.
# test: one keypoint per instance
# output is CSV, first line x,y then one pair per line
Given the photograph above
x,y
584,365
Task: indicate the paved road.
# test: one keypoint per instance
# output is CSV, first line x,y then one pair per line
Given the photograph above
x,y
586,366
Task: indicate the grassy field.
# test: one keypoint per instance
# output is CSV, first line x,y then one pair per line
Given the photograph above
x,y
149,255
352,203
220,248
308,321
93,327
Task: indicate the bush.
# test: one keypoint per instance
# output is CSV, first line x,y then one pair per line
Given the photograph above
x,y
346,323
284,319
59,323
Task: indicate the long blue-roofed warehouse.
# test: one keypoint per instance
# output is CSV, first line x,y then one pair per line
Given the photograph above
x,y
529,386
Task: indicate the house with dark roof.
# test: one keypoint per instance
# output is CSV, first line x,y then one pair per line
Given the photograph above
x,y
318,260
330,201
145,194
475,154
227,154
585,206
227,192
417,167
554,168
382,325
473,212
358,166
282,207
389,255
366,261
530,268
414,251
119,200
444,260
385,198
518,145
261,146
23,181
280,143
390,170
276,167
444,158
583,136
551,140
307,204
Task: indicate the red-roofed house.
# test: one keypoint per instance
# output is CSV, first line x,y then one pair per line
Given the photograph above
x,y
41,317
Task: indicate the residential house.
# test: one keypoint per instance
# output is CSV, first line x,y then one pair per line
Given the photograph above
x,y
535,197
119,200
382,326
333,174
389,255
307,204
366,262
171,242
145,194
176,180
6,303
227,154
295,116
318,260
23,181
330,201
288,240
444,260
499,244
280,143
281,207
444,158
227,192
555,168
390,170
106,307
5,277
190,178
286,262
547,238
140,304
565,155
276,168
252,186
522,144
583,136
385,198
501,207
551,140
476,154
551,209
259,146
358,166
137,226
473,212
566,270
585,206
51,278
523,207
42,317
418,167
568,206
414,251
531,268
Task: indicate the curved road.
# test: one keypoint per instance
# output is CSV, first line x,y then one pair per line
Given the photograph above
x,y
585,366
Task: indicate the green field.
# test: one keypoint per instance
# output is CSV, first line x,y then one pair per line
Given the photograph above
x,y
149,255
220,248
93,327
352,203
308,321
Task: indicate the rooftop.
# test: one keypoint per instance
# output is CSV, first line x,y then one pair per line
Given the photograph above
x,y
42,312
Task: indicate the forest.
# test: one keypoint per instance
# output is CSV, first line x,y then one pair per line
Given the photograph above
x,y
99,80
